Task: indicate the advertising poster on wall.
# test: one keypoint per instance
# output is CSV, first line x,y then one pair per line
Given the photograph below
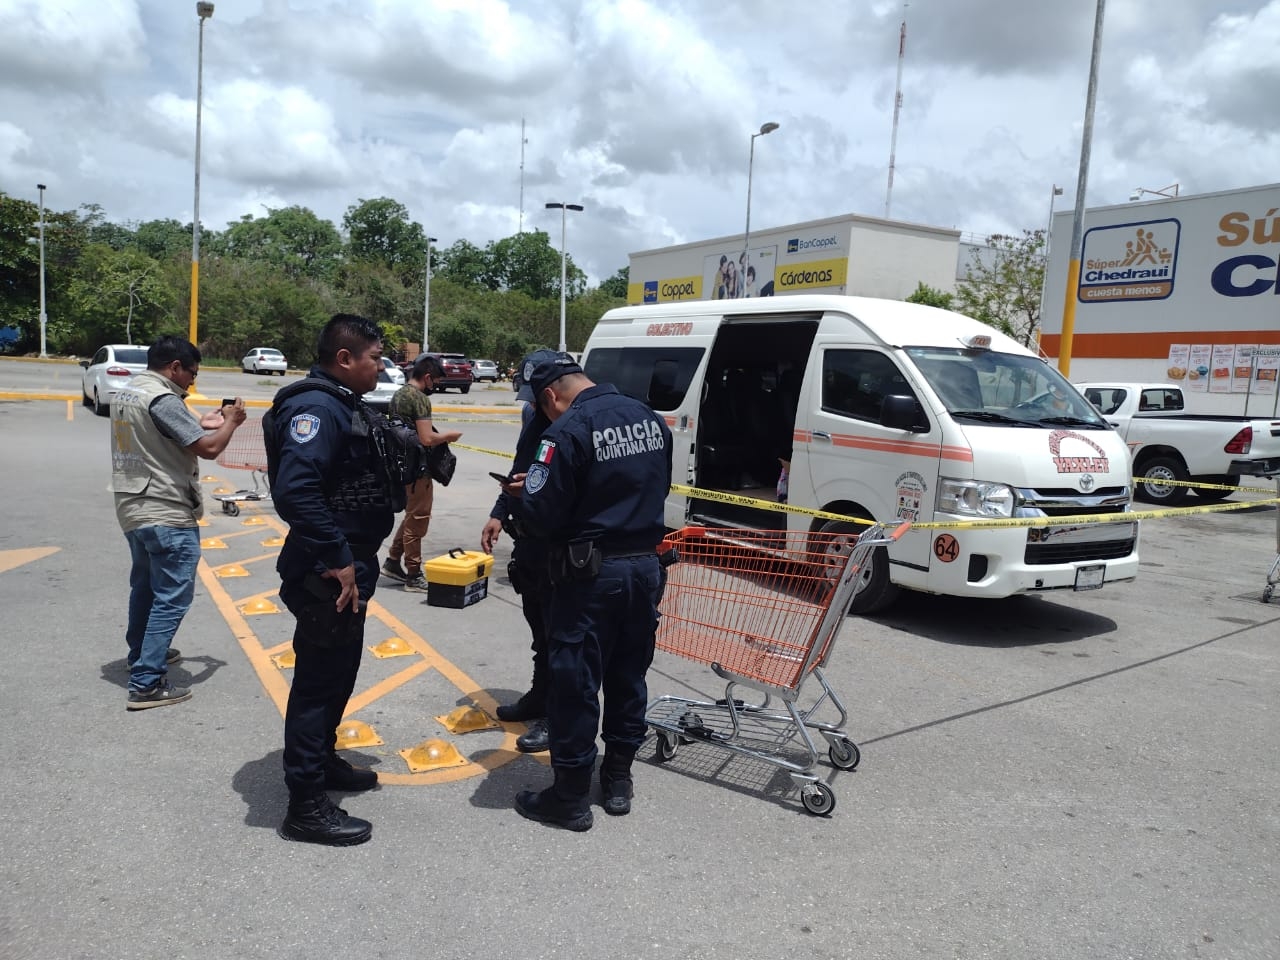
x,y
1222,358
1242,367
1266,371
731,274
1179,357
1198,367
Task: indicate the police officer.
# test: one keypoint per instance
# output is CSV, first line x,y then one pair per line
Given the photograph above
x,y
330,483
595,492
528,574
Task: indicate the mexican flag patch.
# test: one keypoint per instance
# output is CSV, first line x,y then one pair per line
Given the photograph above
x,y
546,450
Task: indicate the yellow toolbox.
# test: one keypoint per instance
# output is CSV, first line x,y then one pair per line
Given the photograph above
x,y
458,578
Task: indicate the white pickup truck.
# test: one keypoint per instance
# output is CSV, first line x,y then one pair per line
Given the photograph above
x,y
1168,444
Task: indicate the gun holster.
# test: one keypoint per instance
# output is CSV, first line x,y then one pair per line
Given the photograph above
x,y
575,560
669,556
514,575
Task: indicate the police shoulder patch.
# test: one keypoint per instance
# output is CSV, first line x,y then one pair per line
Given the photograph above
x,y
304,428
537,477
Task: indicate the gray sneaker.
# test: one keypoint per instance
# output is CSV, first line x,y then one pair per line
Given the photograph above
x,y
415,584
159,694
391,568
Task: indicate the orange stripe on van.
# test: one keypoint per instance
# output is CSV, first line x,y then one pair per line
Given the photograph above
x,y
1147,346
910,448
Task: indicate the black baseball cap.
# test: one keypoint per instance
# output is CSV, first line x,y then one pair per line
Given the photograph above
x,y
542,368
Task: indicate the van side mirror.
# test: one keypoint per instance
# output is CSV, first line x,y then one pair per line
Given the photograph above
x,y
85,364
903,413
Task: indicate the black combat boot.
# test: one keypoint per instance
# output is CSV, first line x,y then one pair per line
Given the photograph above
x,y
615,783
531,705
564,804
340,775
537,739
315,819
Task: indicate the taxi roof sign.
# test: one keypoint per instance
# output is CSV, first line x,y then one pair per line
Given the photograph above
x,y
977,341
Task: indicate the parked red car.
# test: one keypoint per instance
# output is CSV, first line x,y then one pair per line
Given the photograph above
x,y
457,371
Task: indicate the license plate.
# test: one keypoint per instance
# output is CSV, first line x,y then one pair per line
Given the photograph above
x,y
1090,577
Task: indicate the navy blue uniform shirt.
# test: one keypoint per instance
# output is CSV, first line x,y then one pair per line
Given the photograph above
x,y
317,453
601,472
532,425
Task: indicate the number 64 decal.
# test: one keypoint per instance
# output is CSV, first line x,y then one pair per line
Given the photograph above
x,y
945,547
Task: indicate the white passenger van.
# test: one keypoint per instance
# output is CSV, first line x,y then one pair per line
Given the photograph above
x,y
884,410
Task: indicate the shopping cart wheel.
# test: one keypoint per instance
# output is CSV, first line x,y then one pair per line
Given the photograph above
x,y
1268,592
844,753
818,799
230,508
666,747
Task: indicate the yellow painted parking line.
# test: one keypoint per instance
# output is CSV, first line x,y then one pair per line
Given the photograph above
x,y
277,687
10,559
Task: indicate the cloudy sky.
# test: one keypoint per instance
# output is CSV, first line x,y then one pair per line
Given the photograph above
x,y
640,109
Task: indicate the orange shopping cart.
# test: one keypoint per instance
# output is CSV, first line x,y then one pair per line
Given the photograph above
x,y
246,451
762,609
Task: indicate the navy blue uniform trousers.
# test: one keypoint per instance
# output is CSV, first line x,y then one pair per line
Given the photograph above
x,y
600,638
324,675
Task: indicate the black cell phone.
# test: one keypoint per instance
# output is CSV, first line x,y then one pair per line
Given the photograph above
x,y
500,477
228,403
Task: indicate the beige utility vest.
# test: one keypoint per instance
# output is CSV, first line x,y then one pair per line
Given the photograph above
x,y
155,480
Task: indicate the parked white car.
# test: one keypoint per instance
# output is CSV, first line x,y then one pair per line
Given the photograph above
x,y
108,372
264,360
484,370
380,396
393,371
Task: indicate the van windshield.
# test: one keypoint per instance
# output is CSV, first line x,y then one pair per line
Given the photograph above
x,y
989,387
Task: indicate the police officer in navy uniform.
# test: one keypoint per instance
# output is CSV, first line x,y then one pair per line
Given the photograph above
x,y
528,574
595,492
330,483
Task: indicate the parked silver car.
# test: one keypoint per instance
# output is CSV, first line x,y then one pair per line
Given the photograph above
x,y
380,396
394,372
264,360
108,372
484,370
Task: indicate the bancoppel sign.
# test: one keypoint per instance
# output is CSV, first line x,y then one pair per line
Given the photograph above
x,y
1131,261
812,245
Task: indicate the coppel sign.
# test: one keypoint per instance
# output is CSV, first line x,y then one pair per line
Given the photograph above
x,y
1129,261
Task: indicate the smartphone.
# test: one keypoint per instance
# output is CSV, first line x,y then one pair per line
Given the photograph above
x,y
228,403
500,477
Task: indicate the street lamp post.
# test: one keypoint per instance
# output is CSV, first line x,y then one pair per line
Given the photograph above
x,y
426,300
746,235
1048,237
1162,192
563,208
204,10
44,317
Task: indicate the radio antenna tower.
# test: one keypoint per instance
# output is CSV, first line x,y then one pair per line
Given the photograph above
x,y
897,108
523,141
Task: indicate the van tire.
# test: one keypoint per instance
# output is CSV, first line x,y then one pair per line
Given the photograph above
x,y
1150,481
877,590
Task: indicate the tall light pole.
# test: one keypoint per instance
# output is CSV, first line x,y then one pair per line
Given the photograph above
x,y
1048,237
204,10
746,234
1162,192
44,317
563,208
426,300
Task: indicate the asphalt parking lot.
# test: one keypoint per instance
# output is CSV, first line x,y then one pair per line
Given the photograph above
x,y
1057,776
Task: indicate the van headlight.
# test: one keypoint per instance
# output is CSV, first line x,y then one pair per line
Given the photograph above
x,y
975,498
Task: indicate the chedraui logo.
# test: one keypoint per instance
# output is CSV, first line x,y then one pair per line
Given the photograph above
x,y
1132,261
811,274
796,245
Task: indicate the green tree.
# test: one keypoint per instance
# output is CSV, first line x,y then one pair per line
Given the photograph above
x,y
617,285
163,239
19,266
1002,287
293,238
466,264
380,231
112,296
527,262
932,297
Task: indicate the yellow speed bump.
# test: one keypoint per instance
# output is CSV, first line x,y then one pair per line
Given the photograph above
x,y
253,522
202,522
223,490
273,542
433,754
284,661
258,605
466,719
230,570
213,543
210,478
392,647
356,733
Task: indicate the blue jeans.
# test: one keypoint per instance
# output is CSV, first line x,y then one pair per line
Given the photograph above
x,y
161,586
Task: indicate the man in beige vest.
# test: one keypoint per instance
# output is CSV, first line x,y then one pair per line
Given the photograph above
x,y
155,443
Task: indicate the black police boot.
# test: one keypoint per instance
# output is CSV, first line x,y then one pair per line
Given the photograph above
x,y
315,819
340,775
533,704
537,739
615,783
564,804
